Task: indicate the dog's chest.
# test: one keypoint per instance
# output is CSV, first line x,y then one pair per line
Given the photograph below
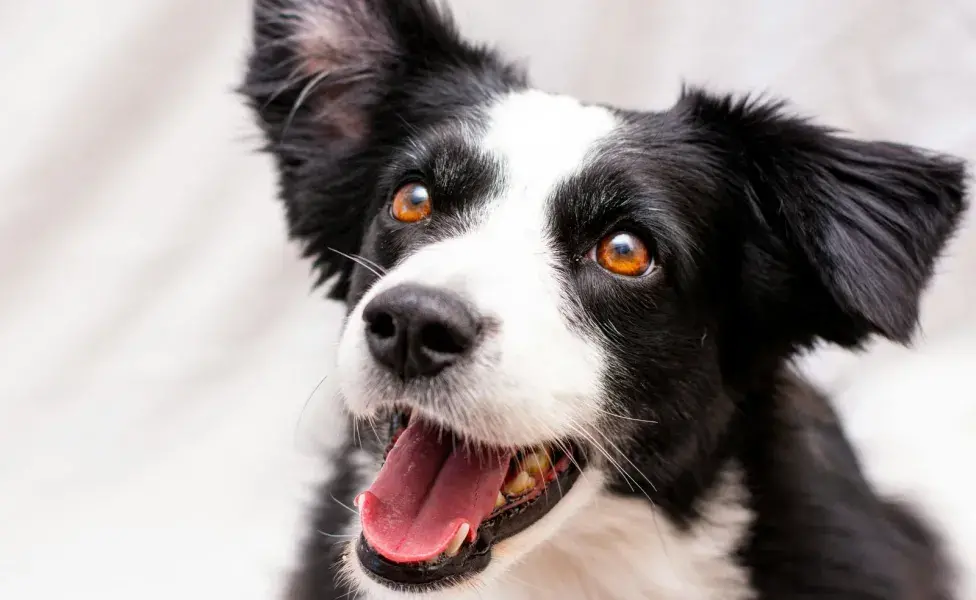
x,y
625,550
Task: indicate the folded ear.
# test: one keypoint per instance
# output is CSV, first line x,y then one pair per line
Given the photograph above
x,y
336,84
842,234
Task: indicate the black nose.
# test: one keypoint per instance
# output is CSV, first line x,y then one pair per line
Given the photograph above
x,y
416,331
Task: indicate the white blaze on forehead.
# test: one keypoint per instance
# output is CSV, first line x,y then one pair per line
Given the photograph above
x,y
540,140
543,139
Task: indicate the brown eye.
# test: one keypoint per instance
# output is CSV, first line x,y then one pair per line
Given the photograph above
x,y
411,203
624,254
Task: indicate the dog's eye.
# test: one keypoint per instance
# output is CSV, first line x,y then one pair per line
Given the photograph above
x,y
623,253
411,203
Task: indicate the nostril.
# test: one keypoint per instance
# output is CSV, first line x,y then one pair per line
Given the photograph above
x,y
382,326
441,339
417,331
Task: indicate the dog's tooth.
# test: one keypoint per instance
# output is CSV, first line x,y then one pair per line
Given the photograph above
x,y
455,546
500,500
520,484
537,463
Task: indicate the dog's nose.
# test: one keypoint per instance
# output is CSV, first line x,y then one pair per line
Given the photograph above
x,y
418,331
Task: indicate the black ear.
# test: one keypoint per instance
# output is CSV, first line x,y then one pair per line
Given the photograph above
x,y
841,234
337,85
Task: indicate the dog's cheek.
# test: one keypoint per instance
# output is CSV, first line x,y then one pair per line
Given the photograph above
x,y
664,403
649,342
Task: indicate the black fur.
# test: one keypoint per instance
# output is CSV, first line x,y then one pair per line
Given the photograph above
x,y
402,70
773,233
322,547
820,531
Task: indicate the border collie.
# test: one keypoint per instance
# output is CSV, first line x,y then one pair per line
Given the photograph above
x,y
569,330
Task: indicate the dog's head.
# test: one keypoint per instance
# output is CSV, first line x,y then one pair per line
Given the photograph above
x,y
539,287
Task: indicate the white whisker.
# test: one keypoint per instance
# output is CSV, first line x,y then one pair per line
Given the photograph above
x,y
360,261
343,505
301,415
345,536
625,417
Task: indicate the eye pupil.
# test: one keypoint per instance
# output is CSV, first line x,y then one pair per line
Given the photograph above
x,y
622,244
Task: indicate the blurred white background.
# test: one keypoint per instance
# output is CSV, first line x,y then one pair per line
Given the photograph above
x,y
158,337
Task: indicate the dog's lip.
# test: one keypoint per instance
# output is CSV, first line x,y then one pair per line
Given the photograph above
x,y
426,577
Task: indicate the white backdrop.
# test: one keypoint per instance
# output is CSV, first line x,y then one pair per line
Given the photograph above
x,y
158,340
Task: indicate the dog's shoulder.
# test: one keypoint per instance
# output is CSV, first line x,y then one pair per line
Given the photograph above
x,y
821,529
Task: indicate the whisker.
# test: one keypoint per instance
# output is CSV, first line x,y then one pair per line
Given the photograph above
x,y
352,591
301,415
369,421
624,456
356,433
626,418
545,449
379,267
343,536
343,505
627,478
568,451
552,462
657,526
358,260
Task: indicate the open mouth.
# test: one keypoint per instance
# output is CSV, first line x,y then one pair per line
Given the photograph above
x,y
440,503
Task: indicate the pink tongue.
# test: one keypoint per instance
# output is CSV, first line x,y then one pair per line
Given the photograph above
x,y
425,492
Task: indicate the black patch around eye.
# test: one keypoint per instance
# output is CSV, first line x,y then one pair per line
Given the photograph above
x,y
457,175
596,203
634,186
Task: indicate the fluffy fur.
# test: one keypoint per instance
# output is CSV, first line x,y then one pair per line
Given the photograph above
x,y
768,234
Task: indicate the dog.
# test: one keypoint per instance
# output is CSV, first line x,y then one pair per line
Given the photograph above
x,y
571,327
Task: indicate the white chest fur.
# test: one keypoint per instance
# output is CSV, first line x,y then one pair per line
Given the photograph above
x,y
623,549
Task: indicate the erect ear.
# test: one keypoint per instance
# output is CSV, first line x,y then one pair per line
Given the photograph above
x,y
336,86
843,234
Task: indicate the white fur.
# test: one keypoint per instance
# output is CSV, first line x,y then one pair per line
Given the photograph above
x,y
533,378
593,545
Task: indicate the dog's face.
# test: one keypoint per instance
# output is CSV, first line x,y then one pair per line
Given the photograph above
x,y
539,287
